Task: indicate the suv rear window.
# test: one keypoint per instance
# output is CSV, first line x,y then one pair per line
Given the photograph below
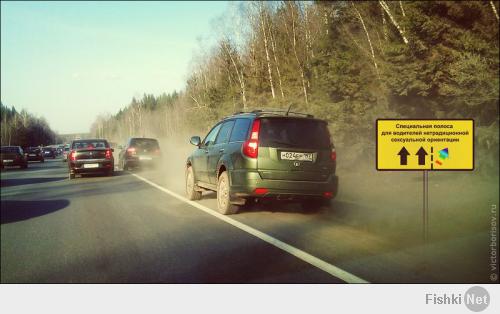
x,y
144,143
89,144
294,133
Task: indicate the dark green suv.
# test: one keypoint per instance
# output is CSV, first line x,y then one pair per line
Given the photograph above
x,y
264,154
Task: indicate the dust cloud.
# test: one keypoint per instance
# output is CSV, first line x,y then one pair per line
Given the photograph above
x,y
388,204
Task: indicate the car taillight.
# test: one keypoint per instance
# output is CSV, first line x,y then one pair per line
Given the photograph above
x,y
108,154
333,155
327,194
157,152
260,191
131,150
72,155
251,146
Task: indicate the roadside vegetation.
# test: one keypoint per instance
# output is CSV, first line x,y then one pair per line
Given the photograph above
x,y
24,129
347,62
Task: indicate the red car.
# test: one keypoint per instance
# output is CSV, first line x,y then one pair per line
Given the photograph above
x,y
90,156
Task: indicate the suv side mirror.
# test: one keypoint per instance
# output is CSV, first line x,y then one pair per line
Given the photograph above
x,y
196,141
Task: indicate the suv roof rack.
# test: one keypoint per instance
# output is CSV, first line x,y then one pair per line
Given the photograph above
x,y
273,111
285,112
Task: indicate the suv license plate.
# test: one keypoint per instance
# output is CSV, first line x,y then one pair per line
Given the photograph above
x,y
90,165
297,156
145,158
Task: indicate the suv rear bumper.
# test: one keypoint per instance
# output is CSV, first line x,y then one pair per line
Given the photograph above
x,y
243,184
137,162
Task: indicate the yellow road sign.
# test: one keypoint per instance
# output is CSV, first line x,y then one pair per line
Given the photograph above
x,y
425,144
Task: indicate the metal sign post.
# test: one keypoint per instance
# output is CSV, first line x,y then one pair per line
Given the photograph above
x,y
425,210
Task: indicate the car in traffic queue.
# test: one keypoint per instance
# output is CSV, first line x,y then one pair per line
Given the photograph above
x,y
90,156
65,152
49,152
34,154
264,154
13,156
139,152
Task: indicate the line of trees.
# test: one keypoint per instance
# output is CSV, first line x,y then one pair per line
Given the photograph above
x,y
24,129
348,62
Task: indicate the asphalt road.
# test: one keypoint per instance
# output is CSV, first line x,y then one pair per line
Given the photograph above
x,y
122,229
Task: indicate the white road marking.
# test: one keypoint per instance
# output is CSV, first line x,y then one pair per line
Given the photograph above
x,y
306,257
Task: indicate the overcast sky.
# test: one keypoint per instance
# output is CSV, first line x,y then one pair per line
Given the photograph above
x,y
69,62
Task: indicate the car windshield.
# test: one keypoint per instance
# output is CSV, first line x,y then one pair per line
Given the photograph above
x,y
294,132
144,143
90,144
10,149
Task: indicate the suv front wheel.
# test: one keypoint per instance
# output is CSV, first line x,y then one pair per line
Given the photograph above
x,y
191,192
223,196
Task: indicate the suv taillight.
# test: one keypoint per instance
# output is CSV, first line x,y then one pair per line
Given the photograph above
x,y
333,155
108,154
251,146
72,155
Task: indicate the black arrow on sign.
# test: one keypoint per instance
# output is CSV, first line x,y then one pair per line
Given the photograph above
x,y
403,154
421,156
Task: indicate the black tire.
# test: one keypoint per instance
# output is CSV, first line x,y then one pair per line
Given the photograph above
x,y
71,176
110,173
191,192
43,160
25,166
223,196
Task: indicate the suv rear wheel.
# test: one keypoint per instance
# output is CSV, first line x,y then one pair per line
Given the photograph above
x,y
191,192
223,196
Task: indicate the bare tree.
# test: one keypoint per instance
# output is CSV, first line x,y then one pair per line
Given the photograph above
x,y
263,28
368,38
494,9
402,9
393,20
276,62
239,72
291,6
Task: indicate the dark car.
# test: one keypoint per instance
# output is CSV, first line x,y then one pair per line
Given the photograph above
x,y
49,152
90,156
13,156
139,152
264,154
34,154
